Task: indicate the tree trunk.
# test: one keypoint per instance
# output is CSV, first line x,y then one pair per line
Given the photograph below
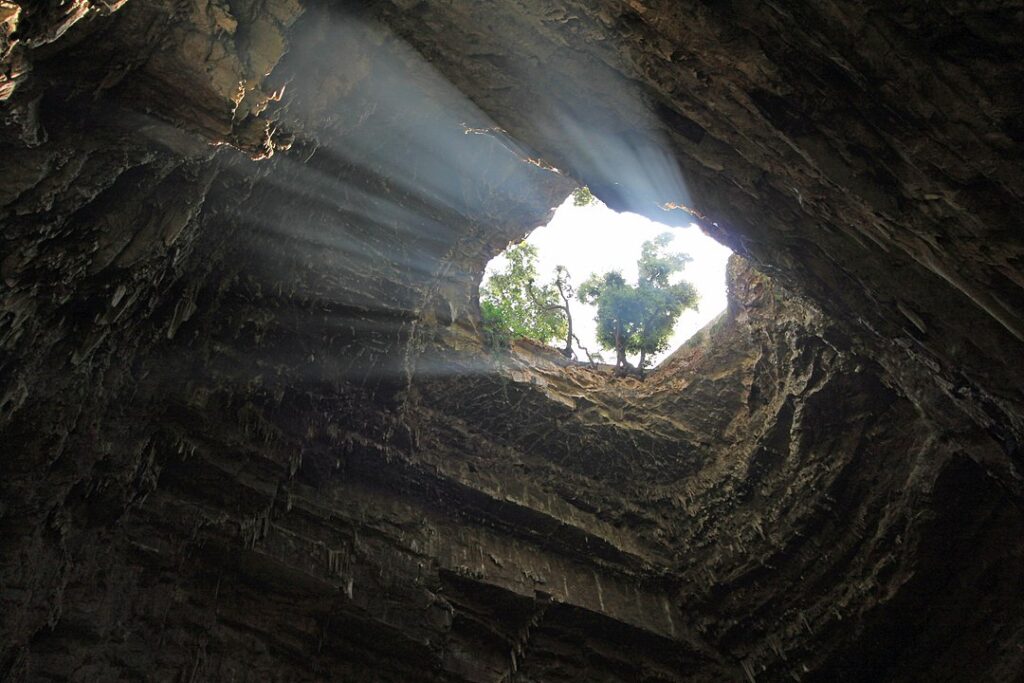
x,y
568,335
620,349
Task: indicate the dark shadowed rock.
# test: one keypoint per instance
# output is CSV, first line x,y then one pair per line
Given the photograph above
x,y
249,428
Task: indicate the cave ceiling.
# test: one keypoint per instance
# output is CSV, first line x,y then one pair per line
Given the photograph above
x,y
250,430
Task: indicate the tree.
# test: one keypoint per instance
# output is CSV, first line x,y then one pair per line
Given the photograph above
x,y
582,196
661,301
639,318
563,283
513,306
616,311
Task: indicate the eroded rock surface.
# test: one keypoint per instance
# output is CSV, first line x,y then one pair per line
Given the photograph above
x,y
251,433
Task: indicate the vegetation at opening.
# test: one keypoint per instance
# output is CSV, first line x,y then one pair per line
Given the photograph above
x,y
632,319
582,196
638,319
514,306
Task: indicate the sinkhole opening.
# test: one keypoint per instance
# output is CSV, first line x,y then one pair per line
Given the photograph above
x,y
632,290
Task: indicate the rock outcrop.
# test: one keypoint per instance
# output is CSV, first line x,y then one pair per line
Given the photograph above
x,y
250,430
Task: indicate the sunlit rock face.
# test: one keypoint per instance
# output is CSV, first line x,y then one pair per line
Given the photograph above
x,y
250,431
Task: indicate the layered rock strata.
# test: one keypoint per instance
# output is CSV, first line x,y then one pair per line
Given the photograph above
x,y
250,430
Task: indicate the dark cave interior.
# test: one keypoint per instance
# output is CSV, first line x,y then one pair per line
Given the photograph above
x,y
250,430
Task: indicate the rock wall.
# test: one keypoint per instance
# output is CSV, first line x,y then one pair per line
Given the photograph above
x,y
866,155
251,432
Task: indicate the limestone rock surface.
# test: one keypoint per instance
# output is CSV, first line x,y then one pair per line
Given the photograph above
x,y
249,429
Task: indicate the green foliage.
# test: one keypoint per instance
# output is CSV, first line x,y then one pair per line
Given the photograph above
x,y
638,319
513,306
497,335
582,196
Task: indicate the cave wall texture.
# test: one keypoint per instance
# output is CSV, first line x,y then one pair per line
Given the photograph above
x,y
249,430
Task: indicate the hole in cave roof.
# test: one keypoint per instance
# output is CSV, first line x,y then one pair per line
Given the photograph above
x,y
595,239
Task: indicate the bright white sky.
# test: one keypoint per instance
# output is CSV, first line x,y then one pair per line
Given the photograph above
x,y
594,238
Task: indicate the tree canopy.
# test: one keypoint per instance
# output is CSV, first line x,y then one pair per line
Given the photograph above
x,y
638,319
514,306
582,196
